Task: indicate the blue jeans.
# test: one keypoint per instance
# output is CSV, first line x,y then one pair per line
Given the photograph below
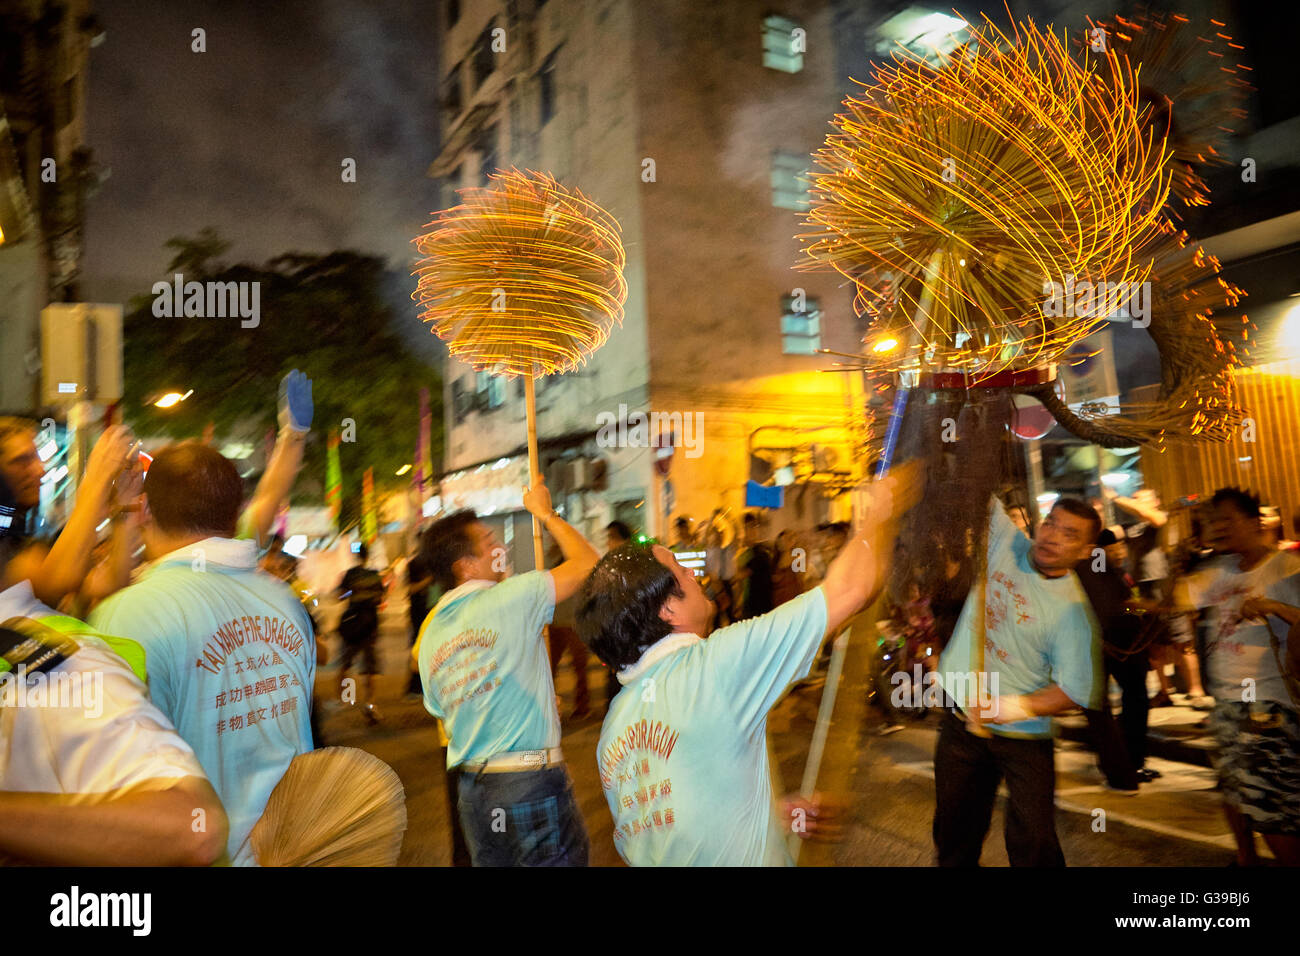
x,y
529,818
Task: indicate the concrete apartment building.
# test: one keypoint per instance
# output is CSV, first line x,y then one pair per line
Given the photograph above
x,y
44,173
691,123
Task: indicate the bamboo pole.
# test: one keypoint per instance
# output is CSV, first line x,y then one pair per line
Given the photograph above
x,y
858,658
534,466
808,786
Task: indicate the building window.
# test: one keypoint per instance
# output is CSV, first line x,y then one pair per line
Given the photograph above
x,y
546,88
452,100
460,402
491,391
801,331
487,154
783,44
485,61
789,186
68,102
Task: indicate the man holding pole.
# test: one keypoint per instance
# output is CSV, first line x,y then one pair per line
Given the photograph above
x,y
683,753
486,674
1026,646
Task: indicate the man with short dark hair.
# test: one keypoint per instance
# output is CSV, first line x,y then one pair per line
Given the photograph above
x,y
683,755
1041,654
229,650
1120,755
20,466
418,581
1256,718
363,589
487,677
617,534
754,570
684,536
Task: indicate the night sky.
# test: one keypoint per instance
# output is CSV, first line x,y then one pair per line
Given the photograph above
x,y
249,137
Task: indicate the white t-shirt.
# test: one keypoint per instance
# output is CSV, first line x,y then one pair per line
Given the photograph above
x,y
1238,650
98,734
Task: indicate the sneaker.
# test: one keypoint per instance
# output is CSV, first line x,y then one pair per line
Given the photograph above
x,y
1204,702
1146,776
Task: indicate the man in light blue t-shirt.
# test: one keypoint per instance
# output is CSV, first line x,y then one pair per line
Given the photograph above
x,y
1041,656
683,755
229,650
486,673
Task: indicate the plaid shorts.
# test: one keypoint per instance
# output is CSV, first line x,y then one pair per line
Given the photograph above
x,y
1258,763
529,818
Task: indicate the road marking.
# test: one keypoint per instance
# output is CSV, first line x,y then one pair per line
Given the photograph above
x,y
925,768
1224,841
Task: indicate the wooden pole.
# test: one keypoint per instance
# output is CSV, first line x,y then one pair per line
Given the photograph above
x,y
813,766
844,744
534,467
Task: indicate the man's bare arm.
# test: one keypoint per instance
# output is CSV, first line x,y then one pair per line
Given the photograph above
x,y
143,826
276,483
855,577
1258,608
294,411
68,562
579,556
1148,513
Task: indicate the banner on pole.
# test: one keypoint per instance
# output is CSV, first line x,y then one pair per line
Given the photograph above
x,y
369,529
333,479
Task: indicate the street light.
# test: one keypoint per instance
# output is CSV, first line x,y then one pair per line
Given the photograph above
x,y
172,399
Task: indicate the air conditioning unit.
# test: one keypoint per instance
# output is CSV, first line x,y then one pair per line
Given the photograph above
x,y
81,353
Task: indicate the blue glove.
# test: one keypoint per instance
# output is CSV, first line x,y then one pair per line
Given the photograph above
x,y
295,402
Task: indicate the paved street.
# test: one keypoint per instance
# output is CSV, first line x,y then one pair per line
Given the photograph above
x,y
1175,821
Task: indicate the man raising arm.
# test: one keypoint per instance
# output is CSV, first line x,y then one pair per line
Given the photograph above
x,y
683,756
486,675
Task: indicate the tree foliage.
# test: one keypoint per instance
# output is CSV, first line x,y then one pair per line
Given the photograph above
x,y
323,314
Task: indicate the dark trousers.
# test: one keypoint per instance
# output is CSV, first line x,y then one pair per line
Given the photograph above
x,y
1108,744
967,770
566,638
1131,675
459,848
528,818
418,614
